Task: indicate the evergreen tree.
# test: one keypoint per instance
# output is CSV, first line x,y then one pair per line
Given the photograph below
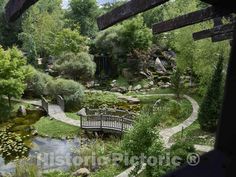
x,y
211,105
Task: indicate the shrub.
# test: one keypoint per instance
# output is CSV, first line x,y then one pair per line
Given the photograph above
x,y
211,105
37,83
71,91
76,66
182,149
176,82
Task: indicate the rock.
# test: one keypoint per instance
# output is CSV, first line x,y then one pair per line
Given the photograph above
x,y
82,112
130,88
151,83
137,87
34,133
21,111
126,73
146,86
159,65
129,99
165,86
83,172
164,78
114,81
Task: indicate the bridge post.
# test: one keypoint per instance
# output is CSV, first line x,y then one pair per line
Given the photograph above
x,y
81,121
101,121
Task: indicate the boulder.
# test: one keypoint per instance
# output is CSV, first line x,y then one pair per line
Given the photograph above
x,y
159,65
137,87
151,83
83,172
130,88
129,99
21,111
82,112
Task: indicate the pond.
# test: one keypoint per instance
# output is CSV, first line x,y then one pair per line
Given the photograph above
x,y
17,142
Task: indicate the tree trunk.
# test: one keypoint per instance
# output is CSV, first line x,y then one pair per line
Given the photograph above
x,y
9,101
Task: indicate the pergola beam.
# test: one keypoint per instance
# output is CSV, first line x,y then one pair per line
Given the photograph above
x,y
222,37
126,11
218,30
15,8
189,19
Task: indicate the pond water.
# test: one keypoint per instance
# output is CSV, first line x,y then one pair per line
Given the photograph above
x,y
41,148
18,141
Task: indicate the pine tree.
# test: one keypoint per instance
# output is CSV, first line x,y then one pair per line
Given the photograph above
x,y
210,108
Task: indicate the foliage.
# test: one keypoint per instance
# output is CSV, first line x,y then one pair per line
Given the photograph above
x,y
120,41
182,149
71,91
211,105
78,66
68,40
57,174
84,14
100,100
194,135
108,171
37,83
12,73
176,82
11,145
143,139
39,26
55,129
26,169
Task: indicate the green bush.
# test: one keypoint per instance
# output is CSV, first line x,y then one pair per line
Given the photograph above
x,y
37,83
210,108
76,66
71,91
182,149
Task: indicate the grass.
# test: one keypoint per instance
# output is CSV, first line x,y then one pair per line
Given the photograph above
x,y
73,116
194,134
55,129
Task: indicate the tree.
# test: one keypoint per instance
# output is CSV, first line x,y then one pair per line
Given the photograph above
x,y
76,66
210,108
84,14
12,73
67,41
40,24
176,82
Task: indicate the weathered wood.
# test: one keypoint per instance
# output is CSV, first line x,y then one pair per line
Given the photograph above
x,y
125,11
218,30
15,8
222,37
229,4
189,19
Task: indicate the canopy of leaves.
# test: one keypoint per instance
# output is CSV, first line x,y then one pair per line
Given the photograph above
x,y
68,40
84,14
40,24
78,66
12,72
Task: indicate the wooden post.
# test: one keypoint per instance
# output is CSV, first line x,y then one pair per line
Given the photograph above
x,y
101,122
81,121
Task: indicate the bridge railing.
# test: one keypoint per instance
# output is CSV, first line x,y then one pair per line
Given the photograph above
x,y
61,102
111,122
44,104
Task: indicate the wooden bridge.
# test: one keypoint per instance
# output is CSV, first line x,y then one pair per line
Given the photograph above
x,y
107,120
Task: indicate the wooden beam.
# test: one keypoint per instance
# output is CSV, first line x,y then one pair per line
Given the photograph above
x,y
222,37
218,30
125,11
15,8
189,19
227,4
